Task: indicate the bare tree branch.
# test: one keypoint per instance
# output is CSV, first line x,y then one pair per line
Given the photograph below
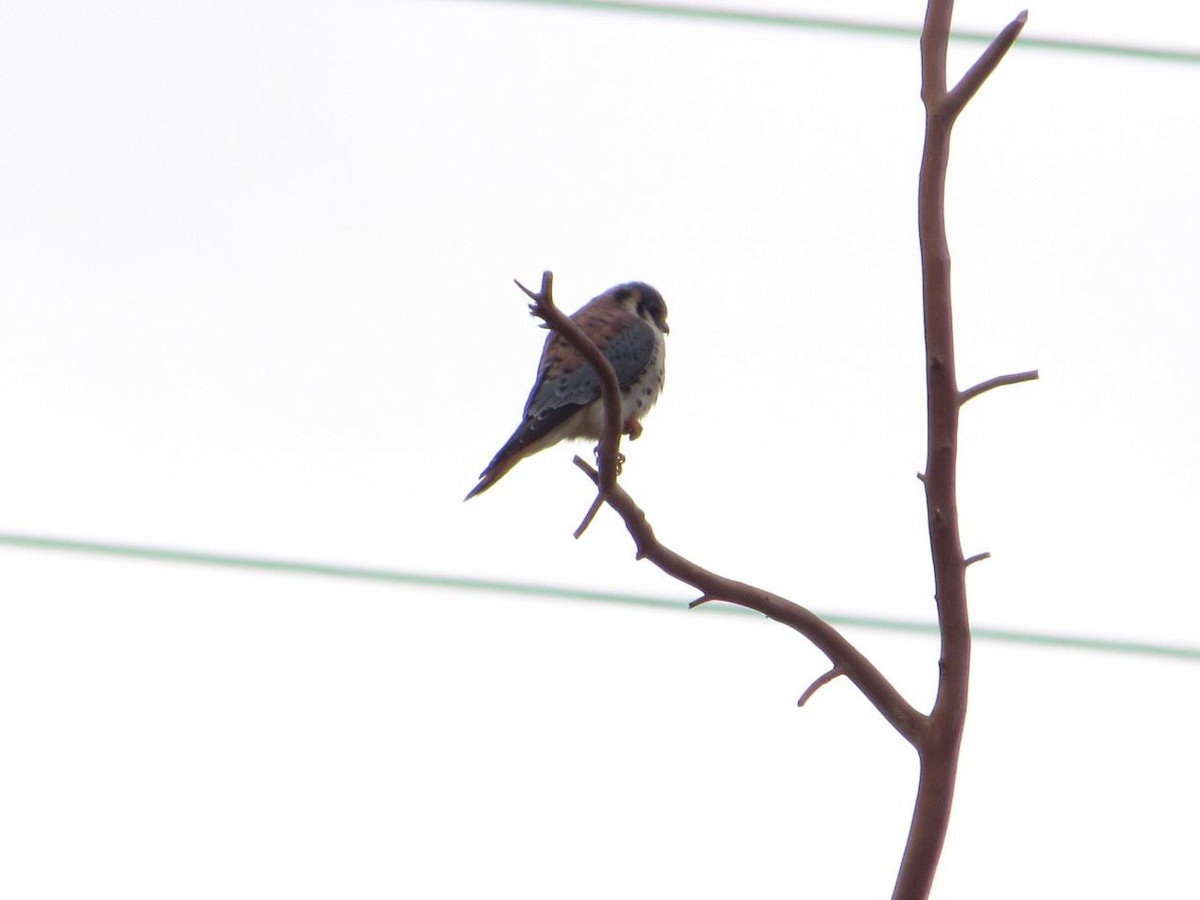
x,y
608,455
999,381
938,755
978,557
910,723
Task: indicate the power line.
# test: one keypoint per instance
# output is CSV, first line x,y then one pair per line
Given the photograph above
x,y
530,589
852,26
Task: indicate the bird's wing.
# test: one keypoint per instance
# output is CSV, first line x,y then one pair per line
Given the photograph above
x,y
566,381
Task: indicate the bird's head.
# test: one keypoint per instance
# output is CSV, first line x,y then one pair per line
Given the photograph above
x,y
644,302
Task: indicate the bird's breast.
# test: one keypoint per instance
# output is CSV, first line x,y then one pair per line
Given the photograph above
x,y
643,391
636,398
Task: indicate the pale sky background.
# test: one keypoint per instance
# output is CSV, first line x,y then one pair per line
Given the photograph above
x,y
256,298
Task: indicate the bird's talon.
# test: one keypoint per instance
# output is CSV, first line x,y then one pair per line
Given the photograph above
x,y
620,457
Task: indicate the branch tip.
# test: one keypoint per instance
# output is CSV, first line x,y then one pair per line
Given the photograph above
x,y
819,683
591,513
960,95
705,598
978,557
999,381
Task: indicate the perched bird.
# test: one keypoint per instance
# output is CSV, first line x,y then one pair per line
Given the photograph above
x,y
627,323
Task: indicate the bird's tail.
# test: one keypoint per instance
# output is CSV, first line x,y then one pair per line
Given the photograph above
x,y
496,470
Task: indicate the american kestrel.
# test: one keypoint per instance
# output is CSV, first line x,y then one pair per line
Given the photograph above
x,y
627,324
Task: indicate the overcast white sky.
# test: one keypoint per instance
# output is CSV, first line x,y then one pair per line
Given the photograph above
x,y
256,298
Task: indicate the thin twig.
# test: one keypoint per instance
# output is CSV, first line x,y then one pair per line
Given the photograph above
x,y
975,76
608,453
978,557
590,514
999,381
819,683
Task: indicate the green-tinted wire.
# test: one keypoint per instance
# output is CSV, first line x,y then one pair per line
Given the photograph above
x,y
527,589
851,26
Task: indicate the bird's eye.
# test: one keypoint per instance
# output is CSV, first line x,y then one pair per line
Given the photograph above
x,y
649,308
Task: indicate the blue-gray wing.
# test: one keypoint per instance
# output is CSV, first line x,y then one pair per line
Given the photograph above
x,y
557,396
